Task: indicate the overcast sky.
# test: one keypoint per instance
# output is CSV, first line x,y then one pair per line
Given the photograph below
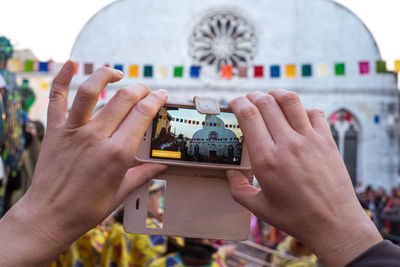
x,y
49,27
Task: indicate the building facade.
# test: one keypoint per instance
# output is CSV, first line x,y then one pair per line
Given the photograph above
x,y
226,48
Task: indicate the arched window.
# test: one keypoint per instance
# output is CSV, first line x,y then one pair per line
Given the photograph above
x,y
345,131
230,151
196,150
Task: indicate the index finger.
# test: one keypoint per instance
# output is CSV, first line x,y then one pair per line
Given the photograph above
x,y
88,94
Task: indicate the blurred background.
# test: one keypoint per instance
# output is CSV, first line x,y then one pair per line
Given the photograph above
x,y
340,56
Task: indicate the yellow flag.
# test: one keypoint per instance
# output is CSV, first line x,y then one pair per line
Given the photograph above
x,y
397,66
133,71
290,71
45,86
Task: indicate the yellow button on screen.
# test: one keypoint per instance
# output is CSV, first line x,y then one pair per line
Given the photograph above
x,y
166,154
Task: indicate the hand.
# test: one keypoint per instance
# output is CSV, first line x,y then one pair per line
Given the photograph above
x,y
83,171
305,188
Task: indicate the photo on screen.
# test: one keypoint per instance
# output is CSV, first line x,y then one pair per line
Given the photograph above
x,y
185,134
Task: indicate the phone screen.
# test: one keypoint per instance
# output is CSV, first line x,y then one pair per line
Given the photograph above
x,y
185,134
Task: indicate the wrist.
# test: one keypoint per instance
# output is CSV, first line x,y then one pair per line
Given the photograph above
x,y
343,240
29,239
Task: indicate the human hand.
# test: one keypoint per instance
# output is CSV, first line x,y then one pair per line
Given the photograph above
x,y
305,188
84,169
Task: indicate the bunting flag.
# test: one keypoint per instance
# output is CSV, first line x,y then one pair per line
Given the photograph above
x,y
242,71
88,68
15,64
147,71
340,69
203,123
364,67
162,72
258,71
306,70
195,71
119,67
290,71
381,66
397,66
226,72
133,71
178,71
29,65
44,66
322,69
275,71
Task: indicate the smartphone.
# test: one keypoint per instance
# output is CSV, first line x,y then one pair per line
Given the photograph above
x,y
181,136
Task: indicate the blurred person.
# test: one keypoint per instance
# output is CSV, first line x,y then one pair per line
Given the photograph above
x,y
291,148
292,247
195,252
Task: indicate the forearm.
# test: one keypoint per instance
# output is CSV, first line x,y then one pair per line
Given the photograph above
x,y
23,243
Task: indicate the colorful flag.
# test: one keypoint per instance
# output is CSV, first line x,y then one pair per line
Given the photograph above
x,y
340,69
306,70
14,64
275,71
242,71
178,71
291,71
147,71
162,72
258,71
133,71
226,71
381,66
29,65
119,67
44,66
322,69
397,66
364,67
88,68
195,71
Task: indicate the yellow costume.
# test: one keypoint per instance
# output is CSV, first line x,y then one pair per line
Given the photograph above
x,y
303,261
175,260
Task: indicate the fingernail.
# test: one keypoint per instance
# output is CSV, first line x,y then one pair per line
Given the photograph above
x,y
120,72
162,91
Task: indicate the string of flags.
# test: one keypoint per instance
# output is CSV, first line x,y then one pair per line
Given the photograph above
x,y
203,123
226,71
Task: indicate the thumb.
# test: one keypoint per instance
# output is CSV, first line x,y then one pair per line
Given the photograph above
x,y
134,178
245,194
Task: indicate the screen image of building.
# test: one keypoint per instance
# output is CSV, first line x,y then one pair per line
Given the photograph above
x,y
214,141
227,48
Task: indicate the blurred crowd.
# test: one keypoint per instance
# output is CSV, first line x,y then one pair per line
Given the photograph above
x,y
384,209
108,245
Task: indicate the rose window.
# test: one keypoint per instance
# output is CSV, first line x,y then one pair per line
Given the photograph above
x,y
223,38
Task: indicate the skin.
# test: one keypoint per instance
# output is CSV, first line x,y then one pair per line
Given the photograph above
x,y
84,169
305,188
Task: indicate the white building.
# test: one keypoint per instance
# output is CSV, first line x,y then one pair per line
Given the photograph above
x,y
214,141
306,36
